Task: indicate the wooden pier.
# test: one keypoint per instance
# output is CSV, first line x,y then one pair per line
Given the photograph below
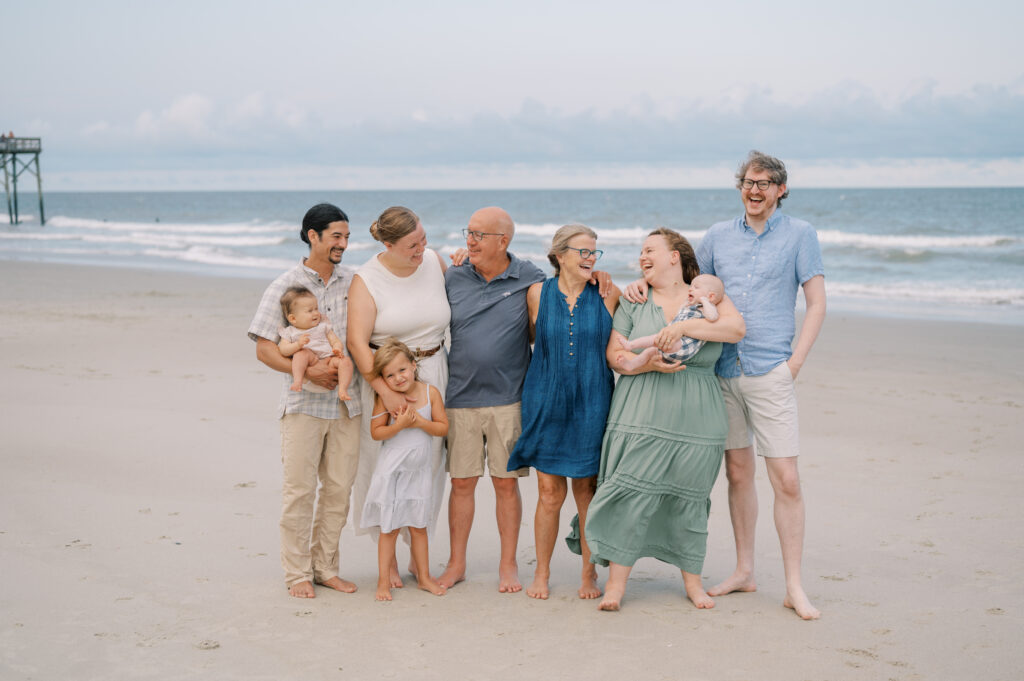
x,y
20,154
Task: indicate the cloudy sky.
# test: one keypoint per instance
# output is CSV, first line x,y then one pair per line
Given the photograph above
x,y
318,95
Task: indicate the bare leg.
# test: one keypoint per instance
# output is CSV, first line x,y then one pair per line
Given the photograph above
x,y
461,507
345,371
509,511
695,591
637,361
551,491
394,576
615,587
300,361
385,556
302,590
421,556
789,523
740,466
637,343
583,491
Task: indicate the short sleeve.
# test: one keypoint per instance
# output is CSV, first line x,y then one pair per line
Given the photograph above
x,y
808,257
705,261
268,319
623,319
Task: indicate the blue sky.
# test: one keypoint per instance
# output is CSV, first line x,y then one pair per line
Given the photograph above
x,y
303,95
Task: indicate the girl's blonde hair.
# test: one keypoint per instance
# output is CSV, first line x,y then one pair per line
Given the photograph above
x,y
391,348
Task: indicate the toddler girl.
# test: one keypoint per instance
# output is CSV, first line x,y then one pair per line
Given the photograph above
x,y
401,490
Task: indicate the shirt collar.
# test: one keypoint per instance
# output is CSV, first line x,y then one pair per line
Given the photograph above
x,y
772,223
511,272
314,275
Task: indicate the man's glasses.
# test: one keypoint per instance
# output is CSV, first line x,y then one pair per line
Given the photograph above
x,y
478,236
761,184
586,252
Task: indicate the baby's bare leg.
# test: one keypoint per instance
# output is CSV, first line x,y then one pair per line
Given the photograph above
x,y
637,343
301,360
345,371
385,554
637,361
421,556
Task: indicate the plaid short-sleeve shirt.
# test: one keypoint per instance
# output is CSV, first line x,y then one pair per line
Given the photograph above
x,y
332,298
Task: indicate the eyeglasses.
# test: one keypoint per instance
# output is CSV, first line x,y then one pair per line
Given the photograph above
x,y
586,252
478,236
761,184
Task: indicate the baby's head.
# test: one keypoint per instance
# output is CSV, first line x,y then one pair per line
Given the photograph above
x,y
393,355
706,286
299,307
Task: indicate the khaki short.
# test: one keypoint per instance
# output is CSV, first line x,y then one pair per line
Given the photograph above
x,y
762,411
478,432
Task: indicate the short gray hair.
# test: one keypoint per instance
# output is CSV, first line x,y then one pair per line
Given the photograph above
x,y
775,168
560,242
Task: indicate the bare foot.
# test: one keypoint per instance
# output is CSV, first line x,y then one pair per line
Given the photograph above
x,y
626,345
798,601
383,590
428,584
737,581
296,387
452,575
339,584
508,579
539,588
697,595
344,396
396,579
588,587
302,590
612,597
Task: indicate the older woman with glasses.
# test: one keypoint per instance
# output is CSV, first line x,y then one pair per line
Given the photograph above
x,y
566,394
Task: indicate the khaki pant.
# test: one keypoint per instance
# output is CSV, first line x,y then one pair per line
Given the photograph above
x,y
315,449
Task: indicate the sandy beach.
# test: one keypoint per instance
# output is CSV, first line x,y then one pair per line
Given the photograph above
x,y
139,503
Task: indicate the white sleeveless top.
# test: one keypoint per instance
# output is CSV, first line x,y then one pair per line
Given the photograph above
x,y
413,309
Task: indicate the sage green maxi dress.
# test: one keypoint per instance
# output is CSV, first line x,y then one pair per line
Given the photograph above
x,y
662,450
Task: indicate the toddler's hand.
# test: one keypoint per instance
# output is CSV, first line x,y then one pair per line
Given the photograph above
x,y
303,340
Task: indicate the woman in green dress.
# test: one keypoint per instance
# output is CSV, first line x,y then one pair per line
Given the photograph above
x,y
665,436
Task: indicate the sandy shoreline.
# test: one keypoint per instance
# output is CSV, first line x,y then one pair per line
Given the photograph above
x,y
140,494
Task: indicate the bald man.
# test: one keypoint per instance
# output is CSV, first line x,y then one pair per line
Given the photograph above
x,y
489,356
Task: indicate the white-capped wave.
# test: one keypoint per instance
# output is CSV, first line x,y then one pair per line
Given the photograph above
x,y
149,239
635,235
211,256
253,227
929,292
912,242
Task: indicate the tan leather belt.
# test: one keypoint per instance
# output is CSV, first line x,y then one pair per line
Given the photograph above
x,y
418,354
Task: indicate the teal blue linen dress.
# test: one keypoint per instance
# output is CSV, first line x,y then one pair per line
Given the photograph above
x,y
662,450
568,386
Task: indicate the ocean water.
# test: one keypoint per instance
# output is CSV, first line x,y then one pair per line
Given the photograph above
x,y
946,253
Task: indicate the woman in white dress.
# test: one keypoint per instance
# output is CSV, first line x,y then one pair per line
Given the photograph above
x,y
399,292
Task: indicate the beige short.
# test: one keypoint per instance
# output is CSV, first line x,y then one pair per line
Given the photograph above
x,y
475,433
762,411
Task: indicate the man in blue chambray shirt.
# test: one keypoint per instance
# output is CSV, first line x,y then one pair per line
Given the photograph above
x,y
763,257
319,436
